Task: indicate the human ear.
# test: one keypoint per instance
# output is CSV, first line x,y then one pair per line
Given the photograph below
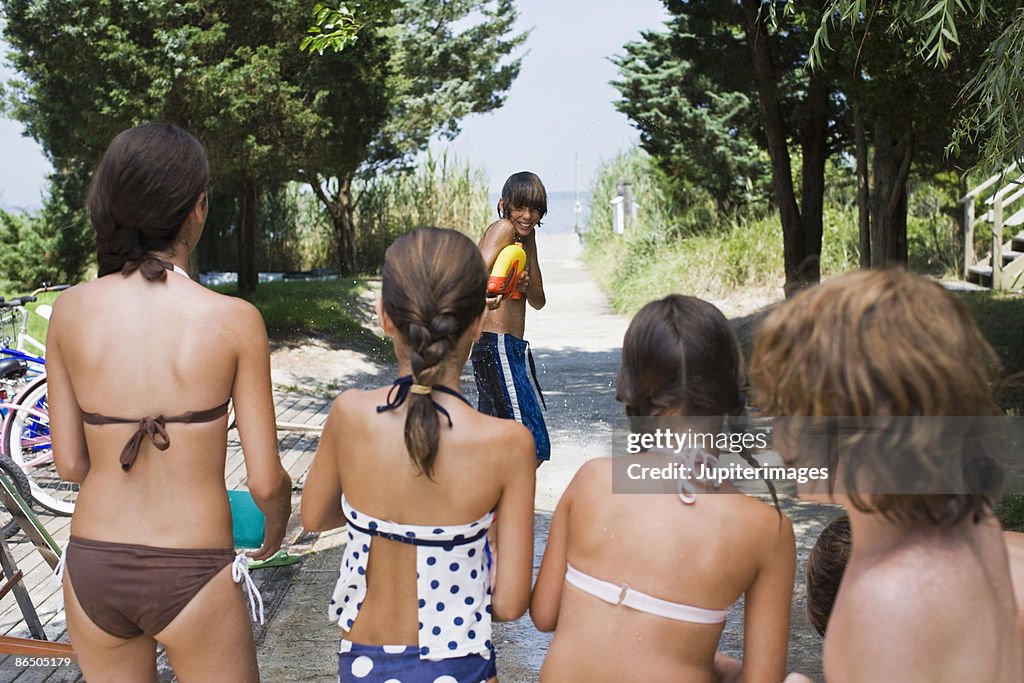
x,y
385,320
202,208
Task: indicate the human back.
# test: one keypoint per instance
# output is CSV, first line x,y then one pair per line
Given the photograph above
x,y
146,349
701,552
706,555
141,364
414,462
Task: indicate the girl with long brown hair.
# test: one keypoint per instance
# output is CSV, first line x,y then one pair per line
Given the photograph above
x,y
418,476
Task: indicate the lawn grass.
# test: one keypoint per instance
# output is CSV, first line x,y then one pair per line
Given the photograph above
x,y
295,311
328,310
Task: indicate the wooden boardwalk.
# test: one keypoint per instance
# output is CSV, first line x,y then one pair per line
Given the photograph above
x,y
299,419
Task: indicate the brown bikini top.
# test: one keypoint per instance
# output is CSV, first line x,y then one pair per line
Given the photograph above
x,y
154,428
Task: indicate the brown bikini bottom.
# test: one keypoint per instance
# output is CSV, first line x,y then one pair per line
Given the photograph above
x,y
129,590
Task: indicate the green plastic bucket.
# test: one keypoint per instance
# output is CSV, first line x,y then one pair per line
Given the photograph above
x,y
246,520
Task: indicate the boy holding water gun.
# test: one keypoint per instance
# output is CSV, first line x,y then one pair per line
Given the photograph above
x,y
501,355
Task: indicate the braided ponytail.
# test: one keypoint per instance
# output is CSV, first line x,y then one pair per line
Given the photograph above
x,y
433,287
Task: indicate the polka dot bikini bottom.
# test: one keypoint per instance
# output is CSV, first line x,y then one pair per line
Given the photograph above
x,y
402,664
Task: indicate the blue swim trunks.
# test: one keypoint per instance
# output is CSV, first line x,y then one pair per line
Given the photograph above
x,y
506,388
402,664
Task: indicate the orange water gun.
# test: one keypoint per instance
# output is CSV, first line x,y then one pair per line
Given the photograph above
x,y
508,267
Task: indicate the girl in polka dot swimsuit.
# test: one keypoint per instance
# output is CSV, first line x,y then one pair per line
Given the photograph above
x,y
639,584
418,476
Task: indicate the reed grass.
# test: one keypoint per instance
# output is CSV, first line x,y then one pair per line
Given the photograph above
x,y
440,191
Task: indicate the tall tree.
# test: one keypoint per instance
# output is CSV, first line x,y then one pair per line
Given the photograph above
x,y
723,87
416,71
908,113
93,68
991,98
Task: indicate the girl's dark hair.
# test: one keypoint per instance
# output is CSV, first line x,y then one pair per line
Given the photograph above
x,y
434,283
524,189
681,352
145,186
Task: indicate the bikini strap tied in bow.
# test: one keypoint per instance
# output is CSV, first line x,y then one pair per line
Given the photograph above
x,y
151,268
404,385
153,427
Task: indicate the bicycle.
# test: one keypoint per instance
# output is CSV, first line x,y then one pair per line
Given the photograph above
x,y
25,431
26,441
14,336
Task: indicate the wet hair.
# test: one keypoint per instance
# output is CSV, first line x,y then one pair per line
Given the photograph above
x,y
524,190
434,284
884,344
146,184
825,566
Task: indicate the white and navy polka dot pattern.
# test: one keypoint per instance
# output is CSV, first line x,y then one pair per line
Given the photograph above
x,y
453,582
402,664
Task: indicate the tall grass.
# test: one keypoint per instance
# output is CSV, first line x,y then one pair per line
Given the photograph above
x,y
440,191
688,246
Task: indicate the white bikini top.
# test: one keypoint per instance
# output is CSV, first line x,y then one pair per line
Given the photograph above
x,y
642,602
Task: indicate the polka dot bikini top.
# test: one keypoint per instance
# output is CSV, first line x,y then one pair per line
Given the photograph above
x,y
452,581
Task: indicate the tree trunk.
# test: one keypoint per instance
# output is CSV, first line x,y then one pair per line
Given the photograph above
x,y
341,209
893,154
248,212
812,195
793,246
863,191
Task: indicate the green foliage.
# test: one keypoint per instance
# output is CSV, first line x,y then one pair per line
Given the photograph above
x,y
690,92
54,246
330,310
1011,512
441,192
989,111
22,250
697,249
332,28
419,68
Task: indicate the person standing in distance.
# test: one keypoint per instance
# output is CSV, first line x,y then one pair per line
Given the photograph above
x,y
501,355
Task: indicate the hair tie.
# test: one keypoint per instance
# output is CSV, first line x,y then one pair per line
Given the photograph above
x,y
404,386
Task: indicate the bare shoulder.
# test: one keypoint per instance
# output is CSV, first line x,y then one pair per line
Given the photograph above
x,y
888,616
595,475
234,315
518,438
891,596
500,230
353,401
765,524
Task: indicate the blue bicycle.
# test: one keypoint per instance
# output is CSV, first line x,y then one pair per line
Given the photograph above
x,y
25,431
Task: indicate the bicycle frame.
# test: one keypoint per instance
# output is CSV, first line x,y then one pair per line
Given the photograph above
x,y
7,410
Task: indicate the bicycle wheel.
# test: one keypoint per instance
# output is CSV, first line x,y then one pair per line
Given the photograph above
x,y
26,438
17,476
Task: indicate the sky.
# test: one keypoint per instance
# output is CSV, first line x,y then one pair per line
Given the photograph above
x,y
559,107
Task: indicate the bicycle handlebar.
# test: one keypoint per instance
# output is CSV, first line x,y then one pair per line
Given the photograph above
x,y
51,288
17,302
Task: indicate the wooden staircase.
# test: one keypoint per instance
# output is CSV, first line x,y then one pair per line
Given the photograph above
x,y
1000,196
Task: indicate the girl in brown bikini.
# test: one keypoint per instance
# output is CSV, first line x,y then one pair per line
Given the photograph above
x,y
141,365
